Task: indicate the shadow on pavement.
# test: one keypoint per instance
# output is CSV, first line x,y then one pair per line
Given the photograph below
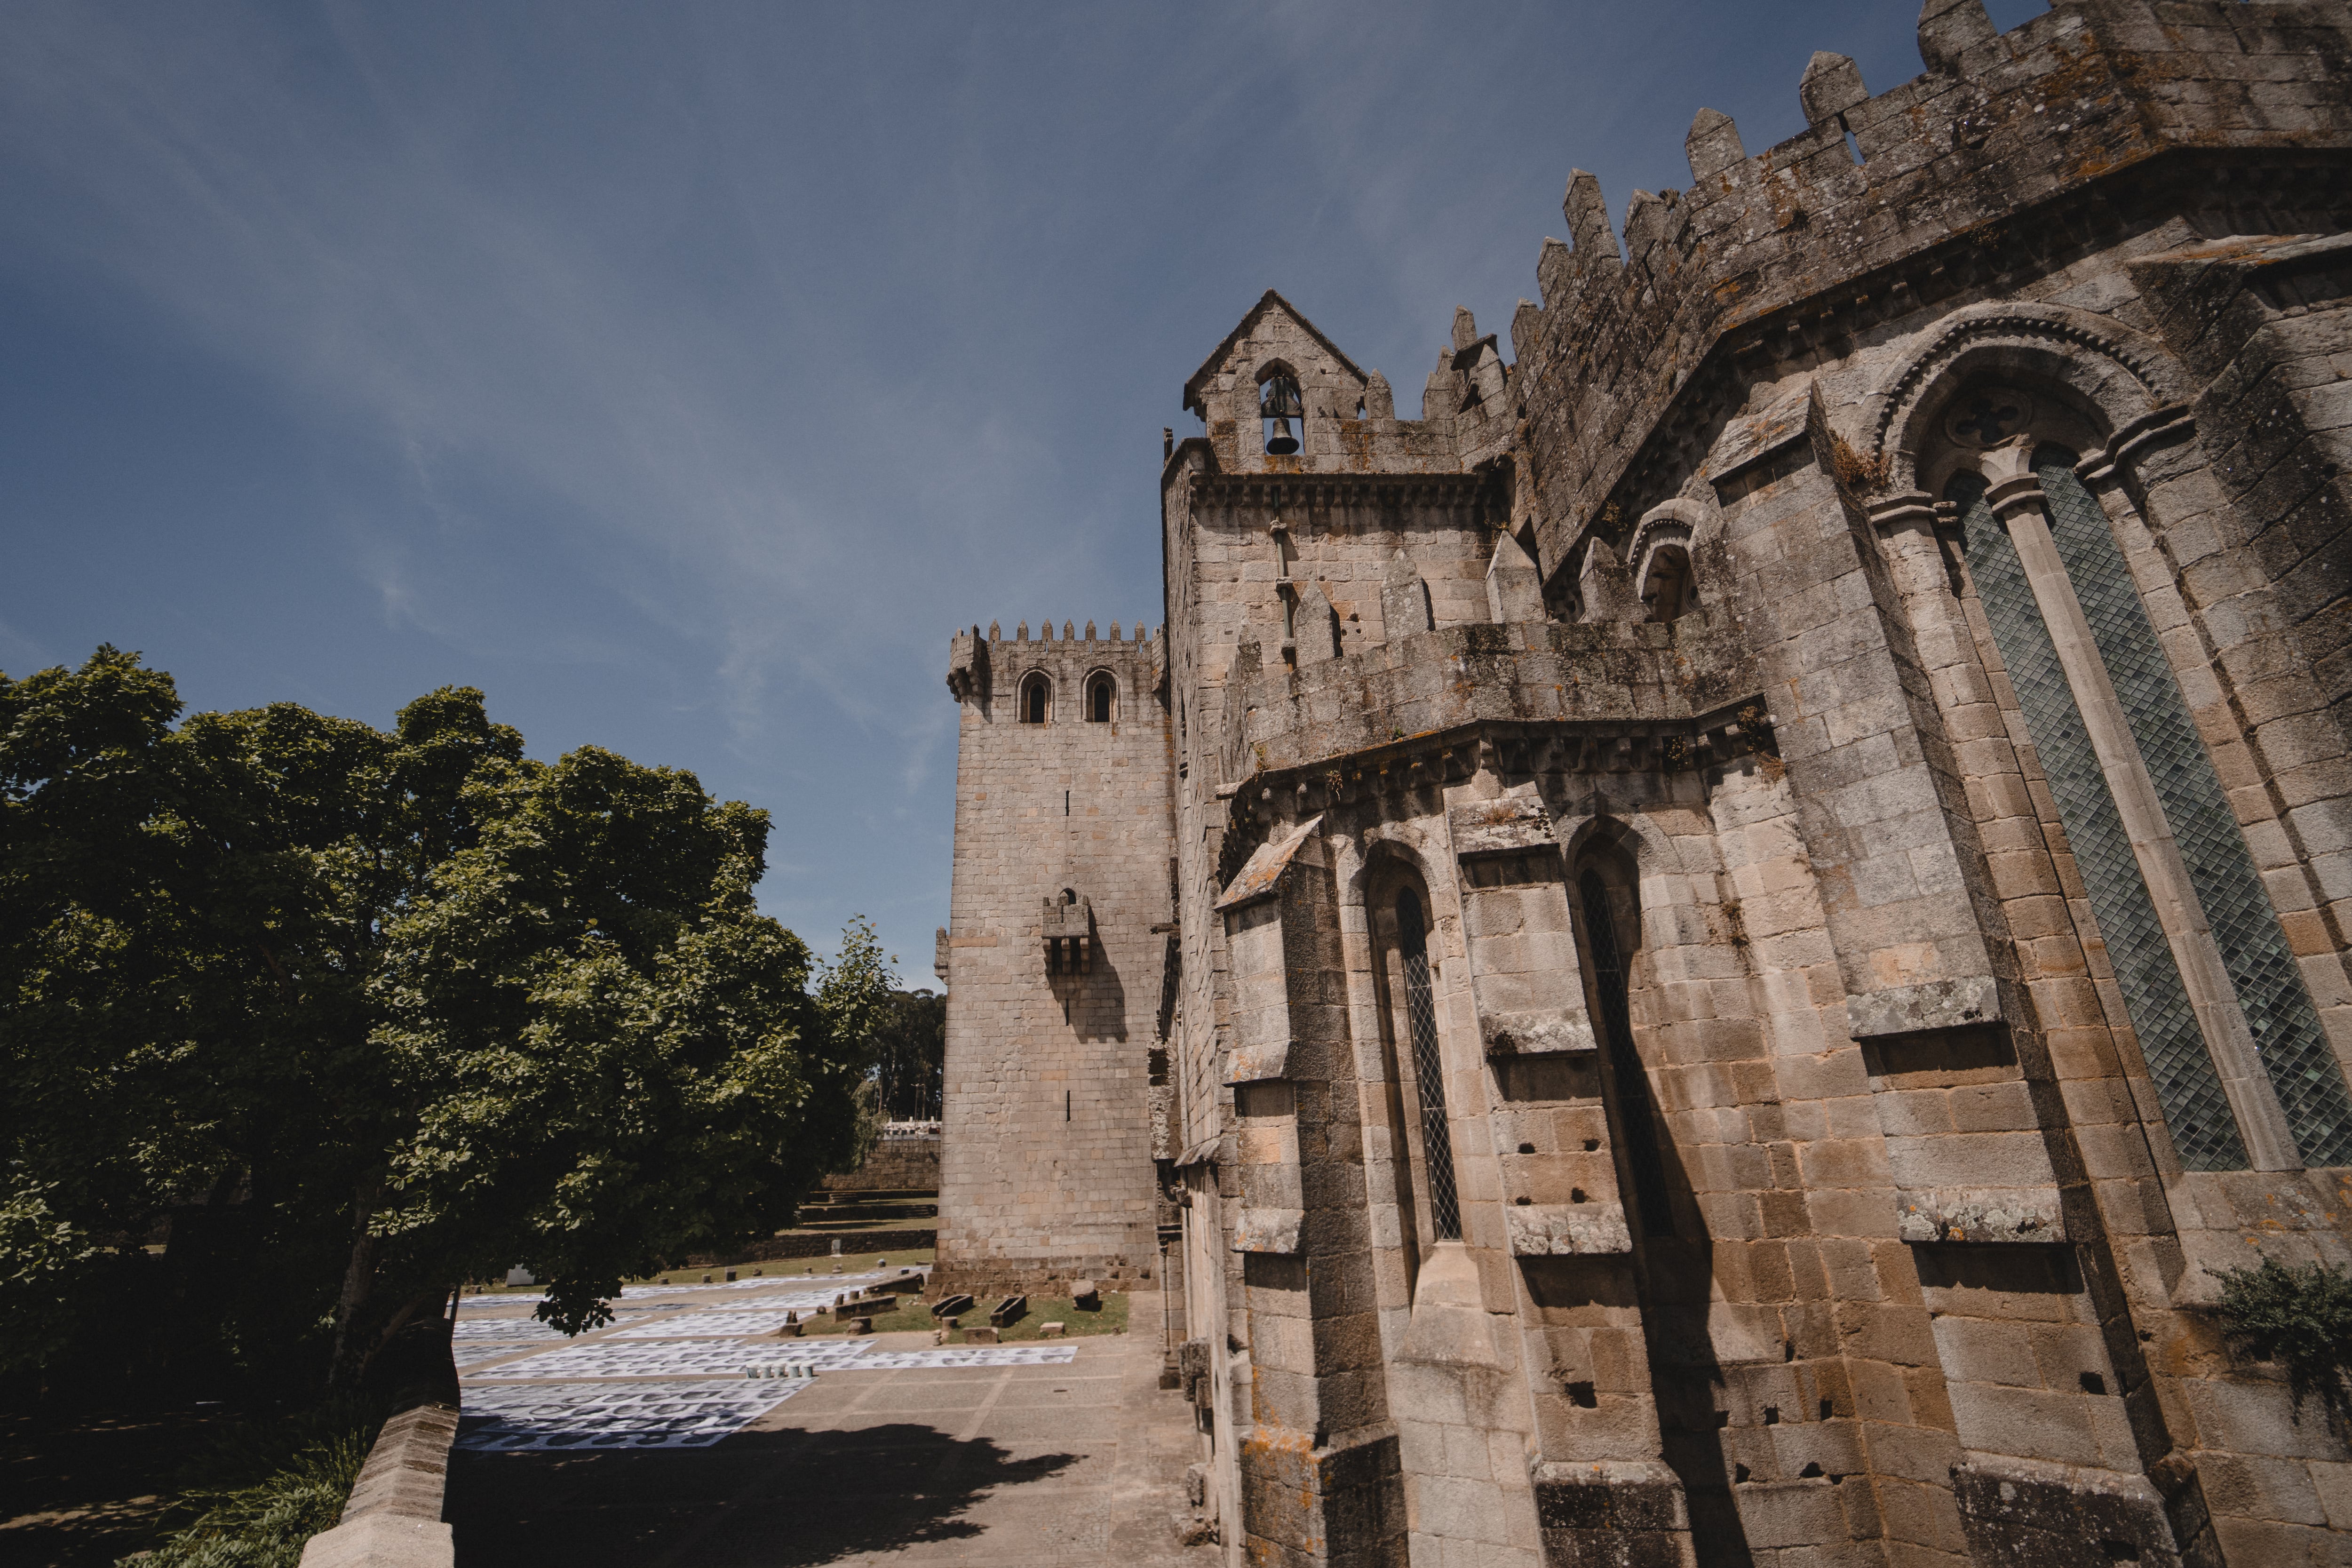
x,y
788,1497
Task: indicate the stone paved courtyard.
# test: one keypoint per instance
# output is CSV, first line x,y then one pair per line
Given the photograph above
x,y
891,1450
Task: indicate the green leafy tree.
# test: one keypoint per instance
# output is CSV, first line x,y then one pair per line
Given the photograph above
x,y
390,1010
910,1049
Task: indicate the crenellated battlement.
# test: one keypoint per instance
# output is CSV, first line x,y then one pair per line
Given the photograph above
x,y
1789,252
986,664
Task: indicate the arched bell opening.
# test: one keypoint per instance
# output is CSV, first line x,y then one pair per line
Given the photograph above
x,y
1282,412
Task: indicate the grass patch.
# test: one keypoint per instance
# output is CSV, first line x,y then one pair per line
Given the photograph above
x,y
265,1487
777,1268
1108,1318
818,1269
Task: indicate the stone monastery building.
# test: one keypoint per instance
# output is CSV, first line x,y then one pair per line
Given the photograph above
x,y
1703,954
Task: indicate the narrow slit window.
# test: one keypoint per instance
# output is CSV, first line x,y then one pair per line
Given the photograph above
x,y
1428,1068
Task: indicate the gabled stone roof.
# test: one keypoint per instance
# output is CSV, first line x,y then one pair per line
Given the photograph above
x,y
1241,328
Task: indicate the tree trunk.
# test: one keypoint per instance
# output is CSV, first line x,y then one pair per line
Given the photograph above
x,y
414,1305
359,1278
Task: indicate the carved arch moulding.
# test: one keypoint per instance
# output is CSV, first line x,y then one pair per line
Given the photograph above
x,y
2119,376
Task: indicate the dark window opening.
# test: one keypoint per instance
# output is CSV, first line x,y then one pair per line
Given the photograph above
x,y
1036,699
1098,700
1631,1084
1666,586
1428,1068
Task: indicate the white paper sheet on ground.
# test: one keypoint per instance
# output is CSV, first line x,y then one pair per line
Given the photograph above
x,y
593,1416
826,1285
966,1355
799,1301
503,1329
611,1358
735,1323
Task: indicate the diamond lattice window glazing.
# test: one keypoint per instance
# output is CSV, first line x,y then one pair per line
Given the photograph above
x,y
2279,1014
1428,1069
2195,1108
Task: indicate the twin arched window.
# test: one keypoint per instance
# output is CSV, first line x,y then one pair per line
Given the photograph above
x,y
1036,700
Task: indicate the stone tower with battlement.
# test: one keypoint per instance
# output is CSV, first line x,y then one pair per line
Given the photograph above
x,y
1763,895
1056,950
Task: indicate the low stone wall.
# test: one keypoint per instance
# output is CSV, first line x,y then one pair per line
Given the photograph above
x,y
896,1166
777,1247
394,1517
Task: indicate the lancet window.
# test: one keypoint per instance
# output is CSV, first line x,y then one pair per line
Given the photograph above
x,y
1428,1067
2240,1063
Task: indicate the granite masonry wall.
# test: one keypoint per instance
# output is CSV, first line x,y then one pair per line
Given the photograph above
x,y
1661,1060
1045,1163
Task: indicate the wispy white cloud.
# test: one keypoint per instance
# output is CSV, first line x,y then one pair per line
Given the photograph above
x,y
730,356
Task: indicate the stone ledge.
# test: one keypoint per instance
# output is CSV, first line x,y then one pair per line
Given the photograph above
x,y
2029,1511
1629,1512
1967,1001
383,1541
1578,1230
1270,1230
1981,1215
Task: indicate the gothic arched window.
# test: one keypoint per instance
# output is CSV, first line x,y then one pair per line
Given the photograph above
x,y
2217,1003
1101,694
1036,699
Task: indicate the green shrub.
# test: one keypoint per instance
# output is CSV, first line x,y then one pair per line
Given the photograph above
x,y
267,1487
2301,1319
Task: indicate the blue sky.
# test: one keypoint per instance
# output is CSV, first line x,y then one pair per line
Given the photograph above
x,y
683,375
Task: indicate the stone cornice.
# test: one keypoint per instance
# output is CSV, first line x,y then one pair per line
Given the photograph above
x,y
1273,491
1398,769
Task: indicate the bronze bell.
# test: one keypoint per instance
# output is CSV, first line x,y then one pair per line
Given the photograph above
x,y
1280,404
